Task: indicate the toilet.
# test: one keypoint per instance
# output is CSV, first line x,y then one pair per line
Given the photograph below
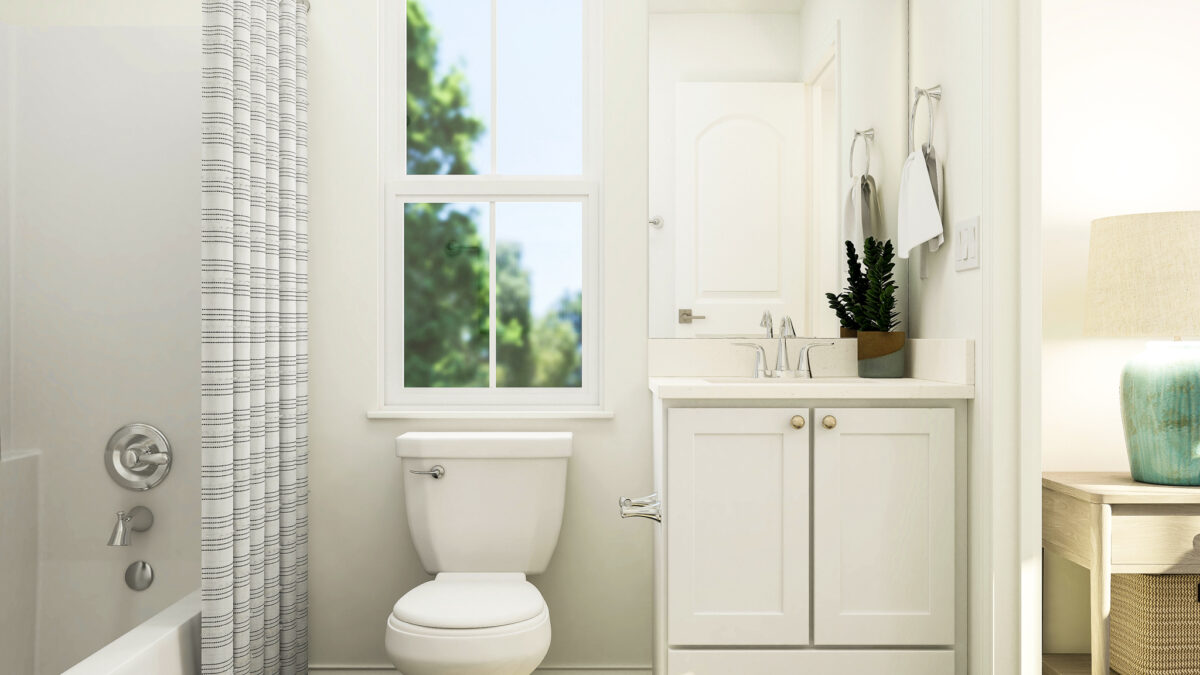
x,y
484,510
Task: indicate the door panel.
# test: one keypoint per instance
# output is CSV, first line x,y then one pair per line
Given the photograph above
x,y
740,243
736,518
883,563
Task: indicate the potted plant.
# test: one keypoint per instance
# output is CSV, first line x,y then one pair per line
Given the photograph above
x,y
868,305
855,295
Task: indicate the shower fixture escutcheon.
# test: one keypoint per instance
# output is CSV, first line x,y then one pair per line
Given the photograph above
x,y
138,456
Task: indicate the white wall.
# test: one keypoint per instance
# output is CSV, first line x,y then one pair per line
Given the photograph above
x,y
18,470
1119,135
6,202
105,329
947,48
599,583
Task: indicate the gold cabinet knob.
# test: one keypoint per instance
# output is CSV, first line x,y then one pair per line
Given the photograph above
x,y
798,421
829,422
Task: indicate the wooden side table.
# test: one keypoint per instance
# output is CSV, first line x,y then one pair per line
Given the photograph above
x,y
1111,525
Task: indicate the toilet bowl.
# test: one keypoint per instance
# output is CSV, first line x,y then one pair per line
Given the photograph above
x,y
469,624
484,509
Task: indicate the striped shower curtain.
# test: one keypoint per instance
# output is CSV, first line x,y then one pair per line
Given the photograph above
x,y
254,398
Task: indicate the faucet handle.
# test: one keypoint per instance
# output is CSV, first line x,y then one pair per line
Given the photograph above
x,y
802,367
760,357
768,322
785,327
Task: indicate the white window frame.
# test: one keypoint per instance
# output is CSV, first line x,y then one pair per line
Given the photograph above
x,y
399,188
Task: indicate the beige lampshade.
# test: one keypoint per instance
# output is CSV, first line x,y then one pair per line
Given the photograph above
x,y
1144,276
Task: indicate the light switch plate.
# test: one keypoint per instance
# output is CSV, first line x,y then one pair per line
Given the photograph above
x,y
966,244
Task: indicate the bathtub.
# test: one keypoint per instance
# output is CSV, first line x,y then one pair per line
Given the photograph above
x,y
167,643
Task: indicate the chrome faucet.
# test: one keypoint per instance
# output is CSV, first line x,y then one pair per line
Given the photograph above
x,y
138,519
783,364
803,369
760,358
768,322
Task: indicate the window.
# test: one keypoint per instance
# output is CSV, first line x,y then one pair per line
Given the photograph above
x,y
491,236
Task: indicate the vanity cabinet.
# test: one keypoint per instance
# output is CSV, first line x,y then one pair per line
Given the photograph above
x,y
808,538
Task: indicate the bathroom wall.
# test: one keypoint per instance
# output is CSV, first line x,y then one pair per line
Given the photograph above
x,y
948,46
599,584
1119,135
104,298
18,470
7,107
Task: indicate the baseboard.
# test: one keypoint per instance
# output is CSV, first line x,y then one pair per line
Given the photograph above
x,y
573,670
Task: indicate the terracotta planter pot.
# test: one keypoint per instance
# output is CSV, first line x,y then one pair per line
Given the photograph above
x,y
880,354
848,332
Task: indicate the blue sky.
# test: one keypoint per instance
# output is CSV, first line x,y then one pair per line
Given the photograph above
x,y
539,119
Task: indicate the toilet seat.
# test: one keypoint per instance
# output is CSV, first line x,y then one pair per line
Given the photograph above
x,y
487,624
470,601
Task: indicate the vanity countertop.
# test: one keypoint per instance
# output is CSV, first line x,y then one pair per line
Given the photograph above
x,y
816,388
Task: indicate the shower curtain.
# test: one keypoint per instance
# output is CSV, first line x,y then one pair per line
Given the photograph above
x,y
254,353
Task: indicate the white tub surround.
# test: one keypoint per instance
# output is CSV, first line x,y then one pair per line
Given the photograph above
x,y
254,352
167,643
18,560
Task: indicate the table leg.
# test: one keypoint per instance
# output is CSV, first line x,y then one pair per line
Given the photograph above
x,y
1101,571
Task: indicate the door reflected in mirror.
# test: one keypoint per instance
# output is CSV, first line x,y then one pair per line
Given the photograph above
x,y
747,165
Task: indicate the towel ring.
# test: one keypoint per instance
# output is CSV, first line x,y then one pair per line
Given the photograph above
x,y
934,94
867,136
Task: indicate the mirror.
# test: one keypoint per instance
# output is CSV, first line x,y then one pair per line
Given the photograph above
x,y
753,105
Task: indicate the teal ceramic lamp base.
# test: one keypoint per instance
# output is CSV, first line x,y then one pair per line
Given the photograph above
x,y
1160,406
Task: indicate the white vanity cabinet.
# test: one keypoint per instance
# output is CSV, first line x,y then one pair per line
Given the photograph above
x,y
802,536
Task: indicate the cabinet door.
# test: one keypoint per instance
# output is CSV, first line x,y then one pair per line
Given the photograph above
x,y
883,526
736,518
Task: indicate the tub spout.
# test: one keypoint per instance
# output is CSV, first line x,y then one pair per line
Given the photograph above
x,y
138,519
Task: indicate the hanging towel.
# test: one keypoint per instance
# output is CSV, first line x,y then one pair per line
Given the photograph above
x,y
860,214
938,181
918,219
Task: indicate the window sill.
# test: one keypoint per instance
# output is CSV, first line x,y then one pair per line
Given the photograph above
x,y
391,414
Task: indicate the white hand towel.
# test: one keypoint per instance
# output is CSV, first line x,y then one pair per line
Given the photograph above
x,y
917,219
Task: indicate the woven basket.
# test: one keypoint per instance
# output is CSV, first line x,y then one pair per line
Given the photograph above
x,y
1155,624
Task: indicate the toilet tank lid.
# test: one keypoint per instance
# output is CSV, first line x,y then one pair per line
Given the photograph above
x,y
484,444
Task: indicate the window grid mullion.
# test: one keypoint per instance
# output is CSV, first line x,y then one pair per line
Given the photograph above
x,y
491,295
495,82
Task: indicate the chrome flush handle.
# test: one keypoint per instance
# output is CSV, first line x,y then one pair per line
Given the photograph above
x,y
437,471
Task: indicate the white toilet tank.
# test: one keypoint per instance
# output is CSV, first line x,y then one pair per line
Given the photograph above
x,y
497,505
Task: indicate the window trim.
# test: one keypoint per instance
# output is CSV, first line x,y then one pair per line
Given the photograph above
x,y
398,188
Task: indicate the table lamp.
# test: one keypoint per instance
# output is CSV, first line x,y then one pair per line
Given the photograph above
x,y
1144,281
